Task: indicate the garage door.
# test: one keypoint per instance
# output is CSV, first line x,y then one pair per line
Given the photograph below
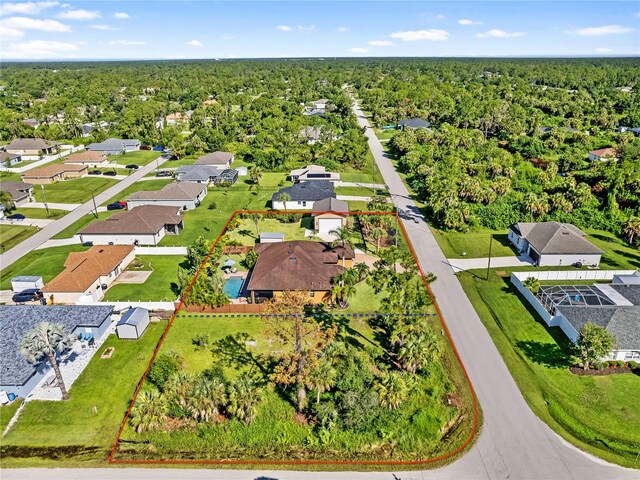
x,y
327,224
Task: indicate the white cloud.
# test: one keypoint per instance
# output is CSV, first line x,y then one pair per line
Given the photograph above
x,y
495,33
121,15
466,21
127,42
80,14
603,50
25,8
358,50
195,43
439,16
10,32
284,28
381,43
38,49
604,30
310,28
343,29
104,27
433,35
24,23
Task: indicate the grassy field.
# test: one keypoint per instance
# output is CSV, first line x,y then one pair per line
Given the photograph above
x,y
247,235
82,222
617,254
139,187
7,412
161,285
73,191
12,235
594,413
139,157
10,177
40,213
474,243
81,430
46,263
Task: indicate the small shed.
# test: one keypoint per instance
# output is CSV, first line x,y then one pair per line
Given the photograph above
x,y
133,323
271,237
21,283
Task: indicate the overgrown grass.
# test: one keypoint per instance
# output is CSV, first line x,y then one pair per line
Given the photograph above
x,y
592,412
83,428
12,235
78,190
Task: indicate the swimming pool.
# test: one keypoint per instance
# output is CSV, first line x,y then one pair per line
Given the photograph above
x,y
232,287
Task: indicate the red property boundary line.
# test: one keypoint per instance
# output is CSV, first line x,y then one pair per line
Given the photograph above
x,y
257,462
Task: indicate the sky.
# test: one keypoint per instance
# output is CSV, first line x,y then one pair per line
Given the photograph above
x,y
156,29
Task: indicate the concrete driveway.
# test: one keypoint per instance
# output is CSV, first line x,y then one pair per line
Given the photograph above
x,y
461,264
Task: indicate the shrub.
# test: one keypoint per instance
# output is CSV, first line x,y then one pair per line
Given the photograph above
x,y
201,341
163,367
611,363
212,206
620,363
250,259
600,365
632,365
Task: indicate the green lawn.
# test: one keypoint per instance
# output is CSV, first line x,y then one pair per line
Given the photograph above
x,y
475,243
46,263
7,412
82,430
12,235
361,192
384,134
247,235
82,222
10,177
73,191
160,286
594,413
617,254
139,187
139,157
40,213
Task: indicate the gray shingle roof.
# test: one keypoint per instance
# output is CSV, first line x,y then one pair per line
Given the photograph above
x,y
622,322
17,190
215,158
630,292
553,238
198,173
172,191
113,144
17,320
330,205
414,123
307,191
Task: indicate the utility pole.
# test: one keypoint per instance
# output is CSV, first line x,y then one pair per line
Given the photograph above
x,y
44,196
95,209
489,262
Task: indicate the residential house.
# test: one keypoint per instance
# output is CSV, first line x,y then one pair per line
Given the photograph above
x,y
54,173
315,112
635,131
303,195
31,122
177,117
115,146
604,154
9,159
31,146
297,265
88,128
20,193
207,174
185,195
329,214
413,124
19,376
320,103
313,173
145,225
554,244
218,159
87,275
89,158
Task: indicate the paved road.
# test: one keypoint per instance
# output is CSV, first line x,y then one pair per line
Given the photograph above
x,y
460,264
514,443
20,250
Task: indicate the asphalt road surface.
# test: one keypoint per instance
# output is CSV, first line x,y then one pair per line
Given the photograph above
x,y
20,250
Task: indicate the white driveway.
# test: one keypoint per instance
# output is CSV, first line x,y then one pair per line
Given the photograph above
x,y
363,185
53,206
461,264
28,222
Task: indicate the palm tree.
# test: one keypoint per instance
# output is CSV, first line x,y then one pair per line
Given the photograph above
x,y
392,389
46,340
324,377
343,236
6,201
284,198
632,229
208,397
340,294
256,175
255,218
149,411
178,388
361,270
533,284
417,347
377,233
244,396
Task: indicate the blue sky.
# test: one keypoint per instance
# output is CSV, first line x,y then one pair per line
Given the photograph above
x,y
205,29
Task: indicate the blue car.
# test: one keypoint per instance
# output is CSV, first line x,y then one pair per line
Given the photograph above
x,y
16,216
158,148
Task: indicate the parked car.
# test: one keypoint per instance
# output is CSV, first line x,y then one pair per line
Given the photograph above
x,y
28,295
132,166
124,204
95,172
145,147
163,173
116,206
110,173
159,148
87,244
16,216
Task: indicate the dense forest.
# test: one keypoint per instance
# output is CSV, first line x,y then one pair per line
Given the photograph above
x,y
509,139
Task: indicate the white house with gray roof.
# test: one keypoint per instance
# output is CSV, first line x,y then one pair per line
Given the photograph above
x,y
186,195
207,174
115,146
19,376
554,244
302,196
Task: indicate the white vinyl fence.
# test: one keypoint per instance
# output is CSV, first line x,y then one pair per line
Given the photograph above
x,y
148,305
161,250
66,150
572,275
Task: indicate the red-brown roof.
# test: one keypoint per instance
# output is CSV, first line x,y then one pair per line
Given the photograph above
x,y
606,152
49,171
86,156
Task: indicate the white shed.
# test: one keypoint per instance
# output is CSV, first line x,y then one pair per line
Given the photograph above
x,y
133,323
271,237
242,171
21,283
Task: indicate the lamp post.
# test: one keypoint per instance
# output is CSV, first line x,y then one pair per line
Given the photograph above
x,y
44,197
95,208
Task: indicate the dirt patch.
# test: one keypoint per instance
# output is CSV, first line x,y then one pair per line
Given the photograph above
x,y
133,277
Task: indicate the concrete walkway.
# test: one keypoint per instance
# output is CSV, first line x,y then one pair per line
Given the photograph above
x,y
34,241
363,185
461,264
353,198
59,242
28,222
53,206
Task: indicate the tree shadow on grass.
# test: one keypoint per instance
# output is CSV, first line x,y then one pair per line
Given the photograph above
x,y
247,233
546,354
232,351
346,333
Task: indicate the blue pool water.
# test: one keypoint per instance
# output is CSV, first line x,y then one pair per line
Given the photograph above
x,y
233,286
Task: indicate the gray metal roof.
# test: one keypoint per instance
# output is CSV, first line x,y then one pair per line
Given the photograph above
x,y
622,322
134,316
554,238
17,320
26,278
272,236
307,191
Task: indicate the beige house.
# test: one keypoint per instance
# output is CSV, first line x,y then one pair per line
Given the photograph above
x,y
88,274
329,214
604,154
31,146
20,193
54,173
90,158
218,159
